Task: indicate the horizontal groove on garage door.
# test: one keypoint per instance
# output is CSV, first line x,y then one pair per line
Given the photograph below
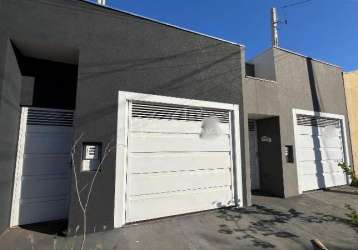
x,y
176,112
309,141
180,171
313,167
178,192
168,182
319,154
143,163
174,192
145,142
177,203
323,180
49,117
307,120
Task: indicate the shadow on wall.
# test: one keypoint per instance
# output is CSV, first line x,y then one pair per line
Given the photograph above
x,y
174,69
315,93
269,223
318,157
317,107
97,69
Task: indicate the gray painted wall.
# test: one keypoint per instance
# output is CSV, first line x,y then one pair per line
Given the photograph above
x,y
261,100
27,90
10,84
244,137
265,65
262,96
302,91
117,51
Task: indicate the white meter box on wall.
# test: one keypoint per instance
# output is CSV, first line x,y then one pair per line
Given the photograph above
x,y
91,156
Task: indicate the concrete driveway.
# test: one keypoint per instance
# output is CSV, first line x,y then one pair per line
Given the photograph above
x,y
272,223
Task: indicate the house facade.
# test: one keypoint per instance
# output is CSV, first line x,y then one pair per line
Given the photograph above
x,y
174,121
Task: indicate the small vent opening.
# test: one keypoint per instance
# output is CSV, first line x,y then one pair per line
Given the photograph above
x,y
306,120
176,112
49,117
252,125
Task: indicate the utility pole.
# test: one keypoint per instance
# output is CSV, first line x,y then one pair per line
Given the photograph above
x,y
101,2
274,25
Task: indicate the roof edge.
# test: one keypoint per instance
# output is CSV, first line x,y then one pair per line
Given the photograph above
x,y
162,23
295,53
301,55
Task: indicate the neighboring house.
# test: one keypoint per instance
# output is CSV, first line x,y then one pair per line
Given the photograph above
x,y
299,103
195,127
351,87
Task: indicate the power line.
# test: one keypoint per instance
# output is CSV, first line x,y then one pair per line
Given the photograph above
x,y
295,3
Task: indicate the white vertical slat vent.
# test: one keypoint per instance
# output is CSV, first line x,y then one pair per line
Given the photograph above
x,y
306,120
176,112
49,117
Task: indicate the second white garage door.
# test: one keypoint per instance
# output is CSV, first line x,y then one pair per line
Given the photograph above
x,y
173,168
319,146
42,180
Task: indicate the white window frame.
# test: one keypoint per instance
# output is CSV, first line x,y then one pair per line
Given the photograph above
x,y
123,118
342,120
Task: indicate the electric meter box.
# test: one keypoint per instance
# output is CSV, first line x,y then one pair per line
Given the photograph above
x,y
91,156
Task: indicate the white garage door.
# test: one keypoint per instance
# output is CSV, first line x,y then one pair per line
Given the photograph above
x,y
319,149
174,165
41,190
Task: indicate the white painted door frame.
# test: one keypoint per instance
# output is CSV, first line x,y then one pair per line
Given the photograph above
x,y
342,120
15,207
123,118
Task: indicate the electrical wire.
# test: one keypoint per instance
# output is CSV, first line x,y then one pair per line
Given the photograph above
x,y
295,4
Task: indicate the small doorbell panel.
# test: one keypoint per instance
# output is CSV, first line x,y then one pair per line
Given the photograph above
x,y
91,156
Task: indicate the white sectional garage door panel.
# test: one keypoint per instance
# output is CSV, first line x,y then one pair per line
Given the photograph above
x,y
45,172
172,170
319,150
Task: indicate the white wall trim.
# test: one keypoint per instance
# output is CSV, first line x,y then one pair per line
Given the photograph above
x,y
342,118
121,161
261,79
294,113
15,207
237,156
174,100
124,99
